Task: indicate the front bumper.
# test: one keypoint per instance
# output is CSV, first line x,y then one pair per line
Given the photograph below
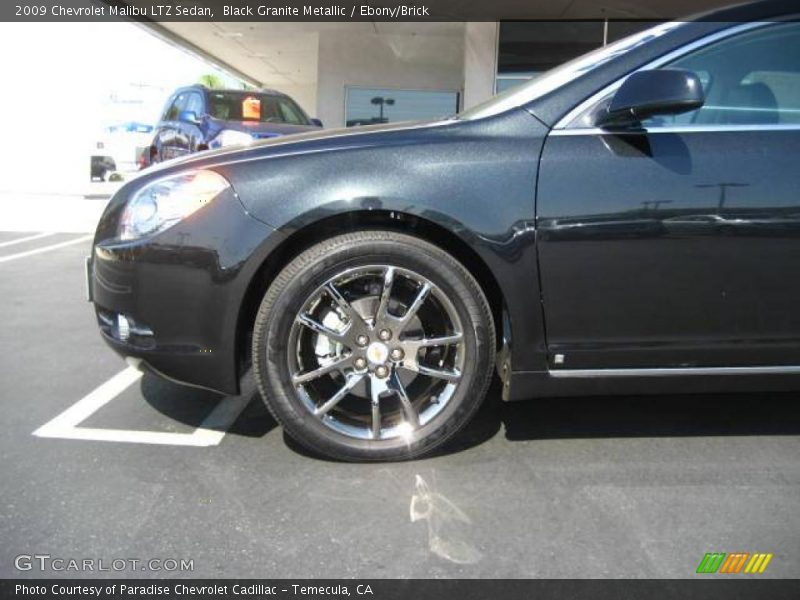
x,y
172,301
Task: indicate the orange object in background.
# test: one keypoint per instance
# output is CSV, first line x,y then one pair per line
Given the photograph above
x,y
251,108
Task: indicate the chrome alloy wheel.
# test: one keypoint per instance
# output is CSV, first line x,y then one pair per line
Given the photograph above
x,y
376,352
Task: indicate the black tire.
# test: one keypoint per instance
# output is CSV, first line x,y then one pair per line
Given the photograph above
x,y
297,282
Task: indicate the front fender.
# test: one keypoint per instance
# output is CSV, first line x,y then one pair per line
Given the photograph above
x,y
474,179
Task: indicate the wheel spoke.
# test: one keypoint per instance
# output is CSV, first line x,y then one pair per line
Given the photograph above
x,y
298,378
438,341
451,375
314,325
351,382
416,304
376,420
376,388
352,314
408,409
386,293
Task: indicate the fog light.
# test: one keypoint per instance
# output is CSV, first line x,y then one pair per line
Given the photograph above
x,y
123,328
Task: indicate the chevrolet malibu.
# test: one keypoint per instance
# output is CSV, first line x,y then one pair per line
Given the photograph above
x,y
627,223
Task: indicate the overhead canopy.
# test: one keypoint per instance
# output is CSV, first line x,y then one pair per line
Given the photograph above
x,y
285,53
280,54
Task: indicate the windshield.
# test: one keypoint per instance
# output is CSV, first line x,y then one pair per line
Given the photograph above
x,y
262,108
563,74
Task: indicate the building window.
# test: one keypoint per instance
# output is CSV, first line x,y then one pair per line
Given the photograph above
x,y
366,106
506,82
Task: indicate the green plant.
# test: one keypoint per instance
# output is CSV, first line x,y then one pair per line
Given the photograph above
x,y
211,80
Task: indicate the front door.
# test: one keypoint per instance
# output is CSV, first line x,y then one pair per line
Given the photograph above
x,y
679,246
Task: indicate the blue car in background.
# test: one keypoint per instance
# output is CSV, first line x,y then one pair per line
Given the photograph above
x,y
197,118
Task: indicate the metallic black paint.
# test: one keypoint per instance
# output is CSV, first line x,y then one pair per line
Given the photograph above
x,y
671,249
653,92
188,283
627,279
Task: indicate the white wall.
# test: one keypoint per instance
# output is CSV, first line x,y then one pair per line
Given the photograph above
x,y
304,94
298,74
480,61
402,61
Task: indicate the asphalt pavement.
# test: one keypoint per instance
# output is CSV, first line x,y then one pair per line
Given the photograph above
x,y
131,467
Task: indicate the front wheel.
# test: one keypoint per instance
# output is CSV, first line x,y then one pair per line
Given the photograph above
x,y
373,345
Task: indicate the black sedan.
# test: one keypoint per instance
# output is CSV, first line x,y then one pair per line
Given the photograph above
x,y
374,278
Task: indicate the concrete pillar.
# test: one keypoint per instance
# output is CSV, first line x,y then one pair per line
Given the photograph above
x,y
480,61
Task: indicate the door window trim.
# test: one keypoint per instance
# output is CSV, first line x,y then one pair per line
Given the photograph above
x,y
676,129
562,127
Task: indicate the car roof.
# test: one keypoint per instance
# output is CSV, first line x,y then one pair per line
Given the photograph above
x,y
203,88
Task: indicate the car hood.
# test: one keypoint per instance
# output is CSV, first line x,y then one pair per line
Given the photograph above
x,y
317,140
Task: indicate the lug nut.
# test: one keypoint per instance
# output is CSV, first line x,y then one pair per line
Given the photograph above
x,y
360,363
397,354
362,340
381,371
385,334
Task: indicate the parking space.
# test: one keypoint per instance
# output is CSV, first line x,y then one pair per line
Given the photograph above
x,y
12,238
99,461
27,218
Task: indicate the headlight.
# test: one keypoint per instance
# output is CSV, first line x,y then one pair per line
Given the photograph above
x,y
164,202
229,137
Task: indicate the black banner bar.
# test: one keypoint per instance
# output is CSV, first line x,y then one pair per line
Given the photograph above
x,y
373,10
728,588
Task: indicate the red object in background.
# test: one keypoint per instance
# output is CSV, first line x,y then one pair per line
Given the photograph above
x,y
251,108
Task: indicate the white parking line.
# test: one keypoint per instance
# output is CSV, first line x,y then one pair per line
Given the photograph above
x,y
45,248
27,238
209,433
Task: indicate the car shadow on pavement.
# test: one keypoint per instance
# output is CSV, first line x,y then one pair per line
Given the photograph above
x,y
766,413
191,406
255,420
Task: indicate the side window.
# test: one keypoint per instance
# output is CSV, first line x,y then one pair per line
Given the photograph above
x,y
290,113
752,78
167,108
195,104
176,108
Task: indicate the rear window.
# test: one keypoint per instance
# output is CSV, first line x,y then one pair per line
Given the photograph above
x,y
244,106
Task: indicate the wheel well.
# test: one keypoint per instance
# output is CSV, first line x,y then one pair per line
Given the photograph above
x,y
353,221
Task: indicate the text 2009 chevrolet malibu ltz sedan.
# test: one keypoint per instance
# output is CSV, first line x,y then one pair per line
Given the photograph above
x,y
628,222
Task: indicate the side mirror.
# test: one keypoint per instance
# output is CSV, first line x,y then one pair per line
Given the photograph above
x,y
316,122
649,93
189,116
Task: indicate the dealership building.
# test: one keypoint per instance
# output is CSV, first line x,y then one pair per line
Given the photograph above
x,y
349,73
